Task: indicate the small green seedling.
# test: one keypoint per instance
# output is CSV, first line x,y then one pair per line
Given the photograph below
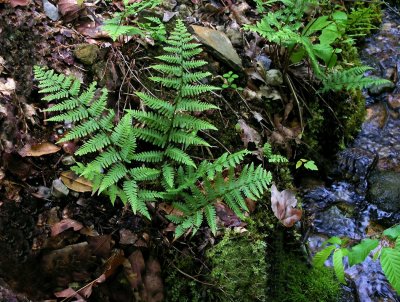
x,y
308,164
230,78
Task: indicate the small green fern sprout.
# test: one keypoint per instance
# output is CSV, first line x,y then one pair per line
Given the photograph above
x,y
273,158
351,79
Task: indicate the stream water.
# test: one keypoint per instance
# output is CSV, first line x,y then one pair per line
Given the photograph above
x,y
365,198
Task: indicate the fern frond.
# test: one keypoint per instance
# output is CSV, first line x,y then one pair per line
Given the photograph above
x,y
191,122
179,156
211,215
149,156
144,173
168,175
192,106
95,144
351,79
156,104
117,172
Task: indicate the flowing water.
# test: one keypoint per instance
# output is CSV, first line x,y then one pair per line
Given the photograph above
x,y
366,196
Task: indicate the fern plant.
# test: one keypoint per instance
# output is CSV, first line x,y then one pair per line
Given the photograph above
x,y
166,171
116,26
388,253
351,79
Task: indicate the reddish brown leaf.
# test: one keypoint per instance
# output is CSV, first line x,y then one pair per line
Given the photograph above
x,y
15,3
69,293
69,9
65,224
113,263
138,265
39,149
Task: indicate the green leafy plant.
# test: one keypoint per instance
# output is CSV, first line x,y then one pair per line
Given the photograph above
x,y
308,164
388,253
272,157
117,25
165,171
230,78
317,41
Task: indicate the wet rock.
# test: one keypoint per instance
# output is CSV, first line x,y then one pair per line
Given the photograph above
x,y
355,164
220,45
274,77
86,53
379,89
377,115
394,101
50,10
264,61
384,190
58,189
68,160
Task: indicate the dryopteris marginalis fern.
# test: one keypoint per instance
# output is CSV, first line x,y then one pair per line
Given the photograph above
x,y
389,256
121,172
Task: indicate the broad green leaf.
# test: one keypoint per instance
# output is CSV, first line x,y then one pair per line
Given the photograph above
x,y
322,255
316,25
329,35
338,265
310,165
359,252
392,232
390,261
298,164
324,52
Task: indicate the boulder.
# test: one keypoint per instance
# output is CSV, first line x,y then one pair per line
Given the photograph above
x,y
384,190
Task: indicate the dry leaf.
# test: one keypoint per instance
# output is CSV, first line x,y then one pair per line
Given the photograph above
x,y
7,87
15,3
39,149
283,205
65,224
69,9
75,182
101,245
248,135
69,293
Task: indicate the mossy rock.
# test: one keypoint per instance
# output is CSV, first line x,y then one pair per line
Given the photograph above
x,y
297,282
86,53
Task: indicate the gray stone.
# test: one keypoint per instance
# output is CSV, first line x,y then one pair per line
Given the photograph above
x,y
86,53
220,45
273,77
58,189
68,160
50,10
384,190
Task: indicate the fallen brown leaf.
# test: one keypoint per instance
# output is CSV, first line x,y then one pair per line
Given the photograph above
x,y
15,3
65,224
7,87
248,135
39,149
283,205
75,182
69,9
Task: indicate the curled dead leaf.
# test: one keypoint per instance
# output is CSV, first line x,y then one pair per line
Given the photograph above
x,y
283,205
7,87
75,182
39,149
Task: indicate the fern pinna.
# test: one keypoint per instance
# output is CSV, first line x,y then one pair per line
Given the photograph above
x,y
121,171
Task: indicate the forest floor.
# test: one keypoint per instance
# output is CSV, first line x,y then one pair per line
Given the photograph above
x,y
57,241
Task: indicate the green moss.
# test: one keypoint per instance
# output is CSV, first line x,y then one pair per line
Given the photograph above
x,y
239,267
297,282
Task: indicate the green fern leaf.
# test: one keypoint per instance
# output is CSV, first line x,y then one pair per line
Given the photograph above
x,y
117,172
211,216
